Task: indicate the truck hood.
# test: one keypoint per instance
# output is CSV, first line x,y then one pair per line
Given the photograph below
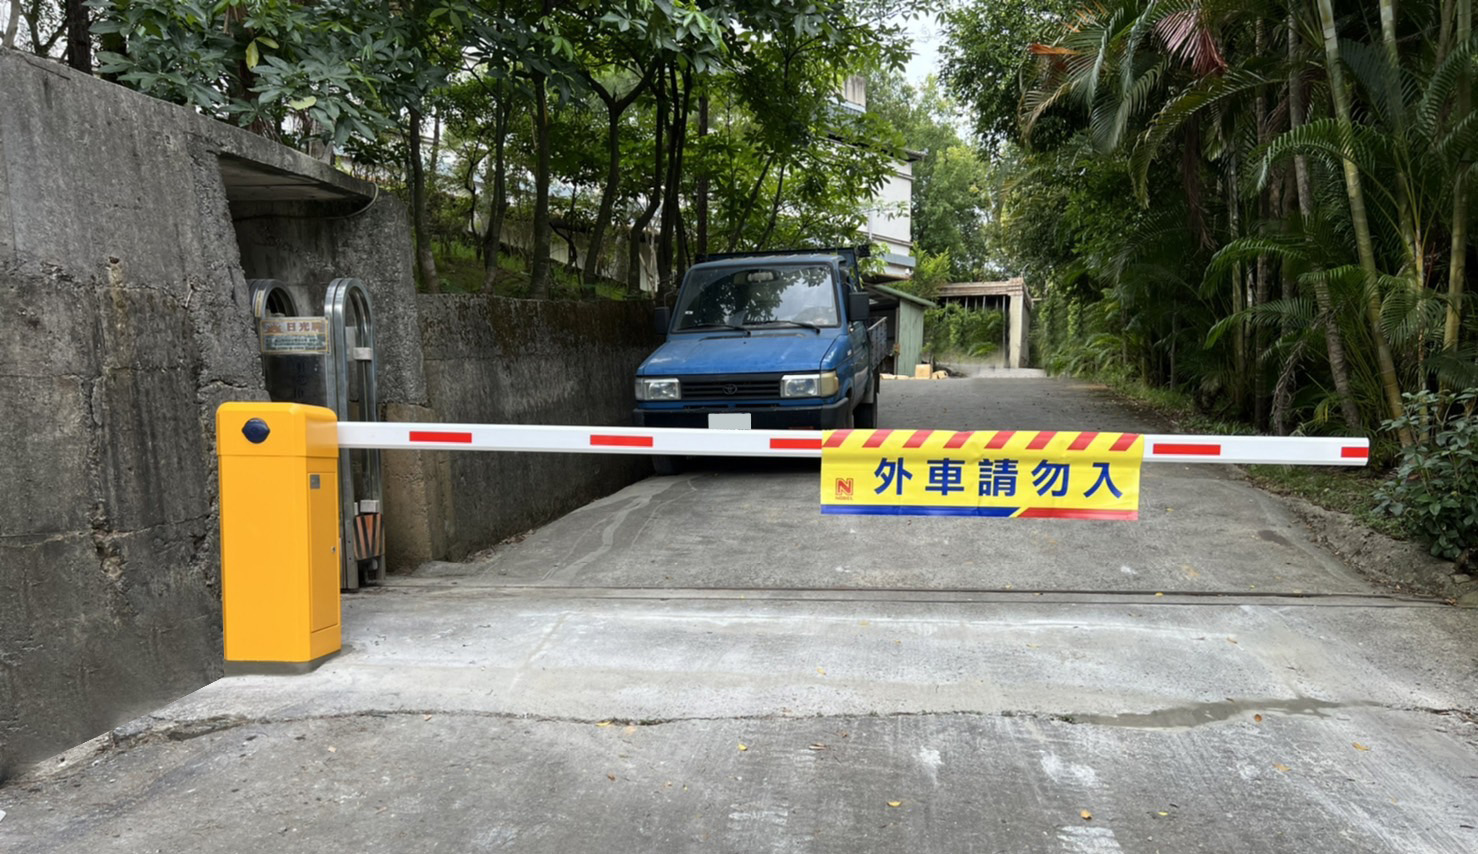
x,y
761,353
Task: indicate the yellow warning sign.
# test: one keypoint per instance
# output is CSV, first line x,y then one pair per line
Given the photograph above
x,y
1004,473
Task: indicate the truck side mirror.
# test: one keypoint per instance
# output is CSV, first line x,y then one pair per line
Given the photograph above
x,y
857,306
661,319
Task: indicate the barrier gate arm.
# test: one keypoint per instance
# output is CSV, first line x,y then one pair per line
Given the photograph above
x,y
1158,448
279,494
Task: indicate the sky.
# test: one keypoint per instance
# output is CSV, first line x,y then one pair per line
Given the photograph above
x,y
925,35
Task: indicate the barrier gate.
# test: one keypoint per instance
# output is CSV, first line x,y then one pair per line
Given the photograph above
x,y
330,360
280,475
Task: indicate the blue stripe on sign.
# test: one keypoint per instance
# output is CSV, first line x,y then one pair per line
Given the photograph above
x,y
906,510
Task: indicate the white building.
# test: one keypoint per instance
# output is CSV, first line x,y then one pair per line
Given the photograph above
x,y
889,216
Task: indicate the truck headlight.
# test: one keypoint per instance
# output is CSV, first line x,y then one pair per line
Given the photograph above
x,y
809,385
658,389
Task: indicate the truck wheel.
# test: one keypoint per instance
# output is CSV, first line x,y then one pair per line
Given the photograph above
x,y
667,466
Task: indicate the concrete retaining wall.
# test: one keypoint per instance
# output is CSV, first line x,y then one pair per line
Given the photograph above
x,y
128,230
519,362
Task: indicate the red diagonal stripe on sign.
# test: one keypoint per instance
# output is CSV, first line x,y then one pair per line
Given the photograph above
x,y
1351,453
621,441
918,438
836,439
1187,450
877,438
1082,442
1040,440
1075,513
795,444
999,440
439,436
1126,441
958,440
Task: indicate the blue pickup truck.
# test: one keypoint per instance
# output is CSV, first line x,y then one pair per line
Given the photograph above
x,y
769,340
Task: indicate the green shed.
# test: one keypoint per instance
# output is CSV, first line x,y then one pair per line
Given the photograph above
x,y
905,313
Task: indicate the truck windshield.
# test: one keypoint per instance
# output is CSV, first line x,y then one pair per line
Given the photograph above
x,y
753,296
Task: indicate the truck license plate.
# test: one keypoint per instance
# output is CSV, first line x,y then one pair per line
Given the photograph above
x,y
728,421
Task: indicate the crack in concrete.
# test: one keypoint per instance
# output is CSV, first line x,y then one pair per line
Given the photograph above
x,y
151,730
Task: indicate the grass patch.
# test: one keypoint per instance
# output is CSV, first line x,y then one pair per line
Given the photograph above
x,y
1345,490
461,272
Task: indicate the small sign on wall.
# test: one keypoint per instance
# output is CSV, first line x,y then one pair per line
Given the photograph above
x,y
294,336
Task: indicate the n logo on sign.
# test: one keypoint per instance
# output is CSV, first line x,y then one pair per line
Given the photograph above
x,y
844,489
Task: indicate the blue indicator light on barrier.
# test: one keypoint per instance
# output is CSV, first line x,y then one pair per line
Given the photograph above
x,y
256,431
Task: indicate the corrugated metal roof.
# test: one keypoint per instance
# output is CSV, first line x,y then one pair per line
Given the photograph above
x,y
902,295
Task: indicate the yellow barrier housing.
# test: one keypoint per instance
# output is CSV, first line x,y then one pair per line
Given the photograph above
x,y
279,478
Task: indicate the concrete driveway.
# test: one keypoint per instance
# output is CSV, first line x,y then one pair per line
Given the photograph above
x,y
705,663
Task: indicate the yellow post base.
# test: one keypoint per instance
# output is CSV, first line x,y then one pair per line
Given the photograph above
x,y
279,477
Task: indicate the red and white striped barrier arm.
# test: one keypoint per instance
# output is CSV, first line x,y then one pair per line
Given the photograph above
x,y
1309,451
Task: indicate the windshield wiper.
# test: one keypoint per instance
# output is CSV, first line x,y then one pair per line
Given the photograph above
x,y
800,323
714,326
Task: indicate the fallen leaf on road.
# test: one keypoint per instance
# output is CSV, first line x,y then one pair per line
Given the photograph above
x,y
603,723
336,750
895,803
1033,646
817,746
1163,814
1159,594
1231,640
611,777
425,717
821,670
1281,767
863,623
1087,816
1358,746
743,747
1257,718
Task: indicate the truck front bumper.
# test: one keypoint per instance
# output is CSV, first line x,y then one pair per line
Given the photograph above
x,y
831,416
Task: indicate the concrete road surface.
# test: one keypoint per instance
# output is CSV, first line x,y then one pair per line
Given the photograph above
x,y
704,663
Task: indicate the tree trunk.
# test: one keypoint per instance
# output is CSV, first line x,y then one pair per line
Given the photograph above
x,y
1262,286
615,108
1333,339
680,223
12,25
1457,265
607,195
702,189
469,182
672,198
540,271
1239,295
492,239
1390,385
774,208
425,261
654,194
1410,234
79,36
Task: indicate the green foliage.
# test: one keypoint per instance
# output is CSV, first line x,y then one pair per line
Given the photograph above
x,y
986,53
955,330
1434,490
329,70
1183,217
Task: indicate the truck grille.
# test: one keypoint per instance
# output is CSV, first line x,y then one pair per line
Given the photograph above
x,y
735,388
